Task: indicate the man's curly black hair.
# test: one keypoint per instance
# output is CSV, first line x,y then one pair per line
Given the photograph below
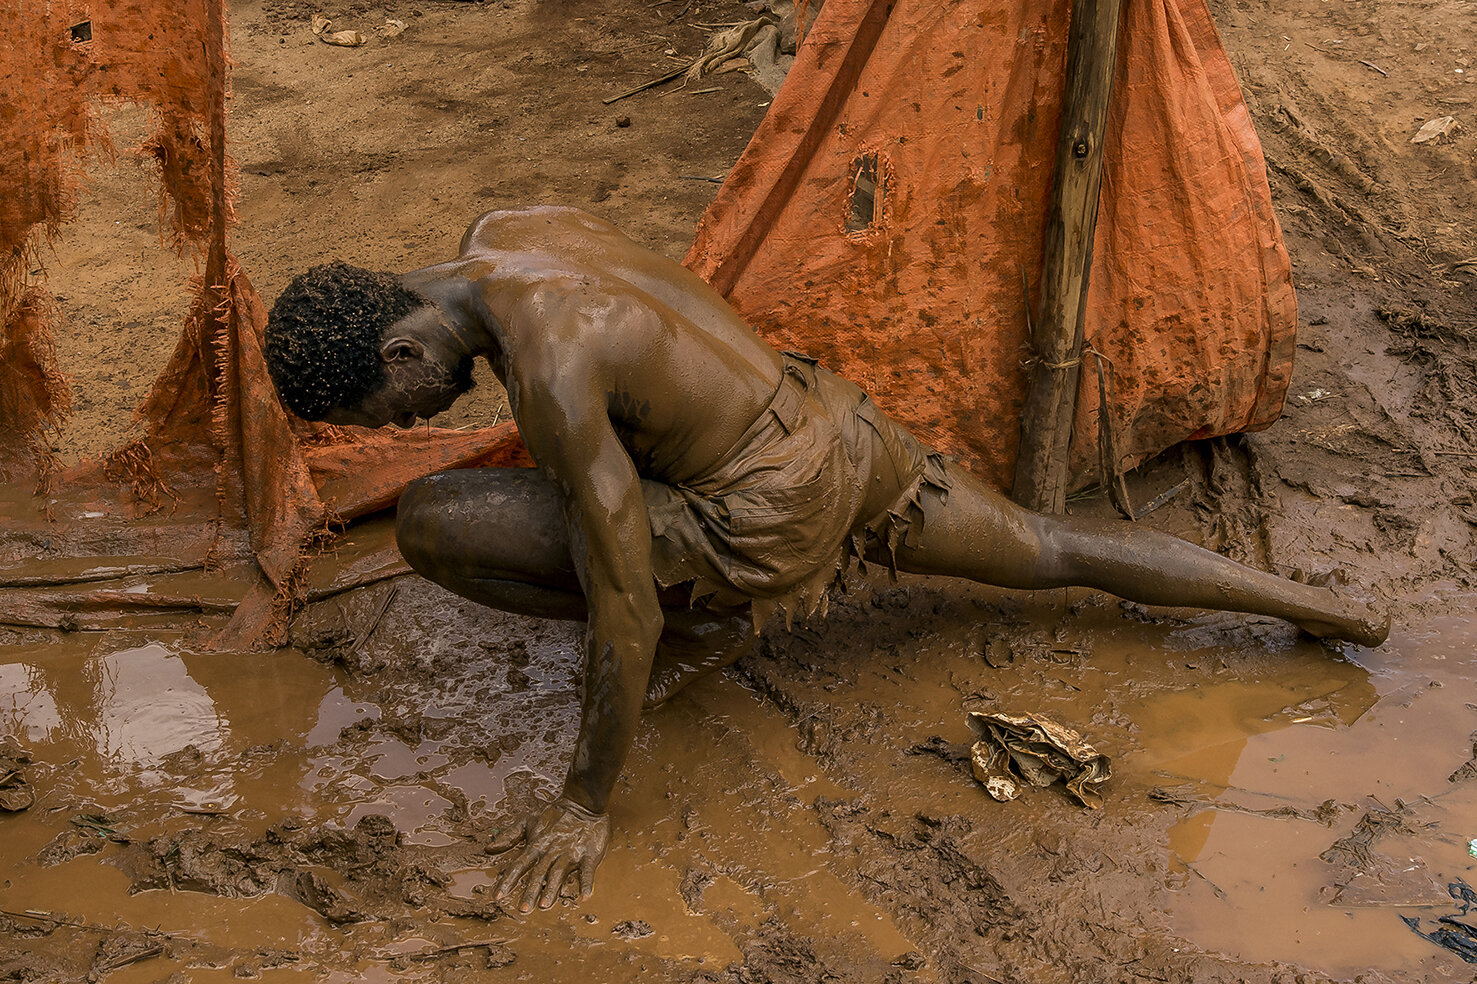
x,y
324,334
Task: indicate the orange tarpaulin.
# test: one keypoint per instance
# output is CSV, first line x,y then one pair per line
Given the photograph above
x,y
952,110
212,415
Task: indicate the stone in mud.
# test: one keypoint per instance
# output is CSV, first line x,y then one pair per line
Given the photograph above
x,y
1468,769
632,929
912,960
17,797
68,844
187,761
694,883
313,890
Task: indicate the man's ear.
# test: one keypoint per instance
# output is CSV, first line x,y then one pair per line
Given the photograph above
x,y
400,349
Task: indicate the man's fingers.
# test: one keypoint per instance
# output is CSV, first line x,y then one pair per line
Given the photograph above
x,y
536,882
515,871
555,881
587,877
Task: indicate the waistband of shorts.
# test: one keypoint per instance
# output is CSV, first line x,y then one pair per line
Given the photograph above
x,y
787,407
796,383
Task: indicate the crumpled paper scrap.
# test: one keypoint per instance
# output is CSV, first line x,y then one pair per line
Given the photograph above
x,y
1440,128
343,39
1016,748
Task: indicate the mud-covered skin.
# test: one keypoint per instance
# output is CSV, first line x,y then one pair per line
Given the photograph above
x,y
621,366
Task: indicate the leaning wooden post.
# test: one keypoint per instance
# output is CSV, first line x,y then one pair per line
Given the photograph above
x,y
1056,337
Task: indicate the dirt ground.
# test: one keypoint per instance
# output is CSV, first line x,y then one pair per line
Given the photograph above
x,y
1278,809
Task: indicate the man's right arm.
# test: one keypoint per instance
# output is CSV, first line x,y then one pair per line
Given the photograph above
x,y
560,403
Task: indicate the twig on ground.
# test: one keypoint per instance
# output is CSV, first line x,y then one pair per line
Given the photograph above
x,y
94,575
1161,499
649,84
41,915
441,951
152,951
375,623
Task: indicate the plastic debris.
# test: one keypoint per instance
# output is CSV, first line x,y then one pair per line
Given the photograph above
x,y
391,28
1450,932
1016,748
1472,847
1437,129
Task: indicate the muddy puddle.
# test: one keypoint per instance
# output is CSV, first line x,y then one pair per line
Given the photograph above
x,y
1257,872
319,815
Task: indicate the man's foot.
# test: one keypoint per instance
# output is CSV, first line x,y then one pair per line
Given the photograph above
x,y
670,673
1364,626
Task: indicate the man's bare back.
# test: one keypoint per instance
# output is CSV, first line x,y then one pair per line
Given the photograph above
x,y
582,312
687,474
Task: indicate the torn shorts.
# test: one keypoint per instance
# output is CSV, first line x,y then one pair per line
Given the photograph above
x,y
817,479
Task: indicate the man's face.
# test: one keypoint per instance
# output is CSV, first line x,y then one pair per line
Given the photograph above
x,y
422,378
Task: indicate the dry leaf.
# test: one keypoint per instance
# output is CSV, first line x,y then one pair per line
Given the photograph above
x,y
345,39
1438,129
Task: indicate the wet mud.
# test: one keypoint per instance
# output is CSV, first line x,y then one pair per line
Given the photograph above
x,y
1276,804
320,812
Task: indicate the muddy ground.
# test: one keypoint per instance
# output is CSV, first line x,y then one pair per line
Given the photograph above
x,y
318,813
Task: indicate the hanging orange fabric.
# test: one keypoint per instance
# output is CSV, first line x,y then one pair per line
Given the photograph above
x,y
891,208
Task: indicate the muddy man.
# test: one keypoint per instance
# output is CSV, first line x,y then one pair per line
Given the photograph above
x,y
690,480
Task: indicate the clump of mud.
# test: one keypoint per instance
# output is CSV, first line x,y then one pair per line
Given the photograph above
x,y
344,875
15,792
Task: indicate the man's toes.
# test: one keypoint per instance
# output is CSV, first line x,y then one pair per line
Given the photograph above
x,y
658,692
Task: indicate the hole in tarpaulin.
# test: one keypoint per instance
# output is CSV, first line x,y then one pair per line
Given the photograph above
x,y
82,33
867,191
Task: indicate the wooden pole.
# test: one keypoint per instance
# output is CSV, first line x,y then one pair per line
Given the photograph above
x,y
215,21
1056,336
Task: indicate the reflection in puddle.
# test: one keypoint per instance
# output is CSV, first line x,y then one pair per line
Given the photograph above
x,y
27,709
147,706
1283,784
133,706
335,713
411,809
194,729
469,883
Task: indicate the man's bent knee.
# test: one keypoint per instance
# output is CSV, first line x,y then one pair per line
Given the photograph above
x,y
416,516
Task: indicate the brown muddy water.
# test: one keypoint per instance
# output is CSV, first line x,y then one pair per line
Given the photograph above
x,y
214,814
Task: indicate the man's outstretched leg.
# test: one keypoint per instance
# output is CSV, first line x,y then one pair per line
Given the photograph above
x,y
498,537
976,533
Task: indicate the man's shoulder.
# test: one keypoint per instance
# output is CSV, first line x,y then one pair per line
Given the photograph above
x,y
569,319
516,228
573,306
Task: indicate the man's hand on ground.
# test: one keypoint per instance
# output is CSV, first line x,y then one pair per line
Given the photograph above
x,y
558,840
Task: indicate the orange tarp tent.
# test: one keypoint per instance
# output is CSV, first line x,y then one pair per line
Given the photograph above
x,y
212,417
952,110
